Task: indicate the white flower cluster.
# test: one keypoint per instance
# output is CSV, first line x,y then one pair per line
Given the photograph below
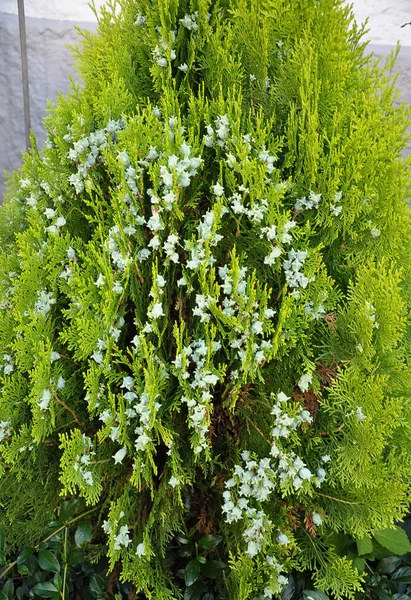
x,y
160,51
120,260
44,302
284,424
92,144
219,133
178,171
5,430
83,461
98,355
59,221
198,392
258,479
255,481
138,407
336,209
305,203
266,157
207,232
169,248
282,236
277,581
122,538
231,307
255,213
295,261
190,21
8,364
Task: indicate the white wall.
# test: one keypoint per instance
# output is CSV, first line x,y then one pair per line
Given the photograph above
x,y
385,16
71,10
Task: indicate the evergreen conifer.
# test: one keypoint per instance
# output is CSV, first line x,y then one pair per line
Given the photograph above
x,y
205,296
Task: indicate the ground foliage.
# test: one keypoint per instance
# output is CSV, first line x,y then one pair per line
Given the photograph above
x,y
205,292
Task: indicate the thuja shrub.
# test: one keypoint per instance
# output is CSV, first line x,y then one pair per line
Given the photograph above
x,y
205,276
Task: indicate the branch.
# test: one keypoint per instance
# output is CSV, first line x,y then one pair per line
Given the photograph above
x,y
71,411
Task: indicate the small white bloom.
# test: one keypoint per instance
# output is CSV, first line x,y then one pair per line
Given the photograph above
x,y
156,311
183,68
218,189
282,539
317,520
49,212
100,281
54,356
304,382
128,382
44,401
141,551
173,481
160,281
60,222
61,383
119,455
140,20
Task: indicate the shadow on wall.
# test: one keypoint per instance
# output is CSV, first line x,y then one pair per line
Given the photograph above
x,y
50,63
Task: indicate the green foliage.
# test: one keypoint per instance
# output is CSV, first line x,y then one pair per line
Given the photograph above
x,y
204,306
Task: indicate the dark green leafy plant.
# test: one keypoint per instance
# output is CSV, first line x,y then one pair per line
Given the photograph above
x,y
204,304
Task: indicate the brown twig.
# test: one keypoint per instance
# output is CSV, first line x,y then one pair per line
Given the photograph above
x,y
259,430
71,411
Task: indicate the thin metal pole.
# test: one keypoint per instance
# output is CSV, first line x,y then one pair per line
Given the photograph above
x,y
24,70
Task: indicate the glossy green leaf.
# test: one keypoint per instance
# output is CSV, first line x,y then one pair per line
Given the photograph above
x,y
97,584
364,546
68,510
58,582
192,571
83,533
3,596
394,540
8,589
24,555
194,592
213,569
46,589
381,593
401,597
48,561
23,569
388,565
314,595
402,575
209,541
359,564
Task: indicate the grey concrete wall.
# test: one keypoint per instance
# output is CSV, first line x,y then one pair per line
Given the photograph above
x,y
50,62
